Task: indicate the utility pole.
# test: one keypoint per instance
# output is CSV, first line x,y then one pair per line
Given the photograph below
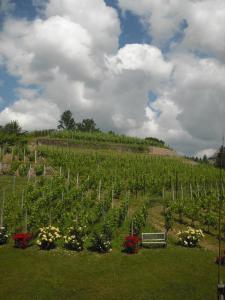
x,y
220,285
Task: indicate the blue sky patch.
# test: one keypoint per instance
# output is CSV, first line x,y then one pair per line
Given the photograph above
x,y
7,88
132,30
152,97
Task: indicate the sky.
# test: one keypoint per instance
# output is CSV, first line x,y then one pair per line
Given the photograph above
x,y
141,68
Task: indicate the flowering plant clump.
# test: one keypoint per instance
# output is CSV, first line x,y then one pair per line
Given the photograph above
x,y
100,243
221,260
74,240
22,239
190,237
47,237
3,236
131,244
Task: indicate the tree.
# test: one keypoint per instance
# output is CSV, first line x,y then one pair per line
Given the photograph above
x,y
12,127
87,125
67,121
220,158
205,159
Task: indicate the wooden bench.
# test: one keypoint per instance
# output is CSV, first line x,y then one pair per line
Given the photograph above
x,y
154,238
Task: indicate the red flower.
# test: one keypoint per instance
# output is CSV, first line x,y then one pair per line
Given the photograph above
x,y
22,239
131,243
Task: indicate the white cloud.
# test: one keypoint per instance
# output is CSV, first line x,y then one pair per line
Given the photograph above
x,y
31,114
205,19
71,54
207,152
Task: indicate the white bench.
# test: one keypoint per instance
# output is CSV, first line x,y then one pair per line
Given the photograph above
x,y
154,238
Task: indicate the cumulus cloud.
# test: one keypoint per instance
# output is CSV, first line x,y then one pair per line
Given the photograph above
x,y
69,58
194,32
203,22
76,62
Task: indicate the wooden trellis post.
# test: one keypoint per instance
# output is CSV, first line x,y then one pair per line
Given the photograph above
x,y
29,173
182,192
77,180
132,227
12,153
35,156
198,190
173,194
2,209
22,200
112,197
14,184
26,220
99,190
191,192
68,176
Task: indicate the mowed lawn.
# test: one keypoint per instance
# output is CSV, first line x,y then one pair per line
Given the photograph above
x,y
172,273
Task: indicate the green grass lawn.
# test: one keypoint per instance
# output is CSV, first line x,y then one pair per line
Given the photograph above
x,y
172,273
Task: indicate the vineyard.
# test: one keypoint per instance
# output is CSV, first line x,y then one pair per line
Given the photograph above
x,y
106,193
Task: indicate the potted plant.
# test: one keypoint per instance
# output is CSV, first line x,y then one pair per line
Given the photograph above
x,y
190,237
22,239
132,244
74,240
3,236
47,237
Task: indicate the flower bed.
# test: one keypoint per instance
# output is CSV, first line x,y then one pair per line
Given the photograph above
x,y
132,244
101,243
74,240
47,237
3,236
190,237
22,239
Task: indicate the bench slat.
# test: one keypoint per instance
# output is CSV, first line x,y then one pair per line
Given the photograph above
x,y
154,238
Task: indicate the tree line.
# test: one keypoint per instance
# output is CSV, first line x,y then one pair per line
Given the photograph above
x,y
67,122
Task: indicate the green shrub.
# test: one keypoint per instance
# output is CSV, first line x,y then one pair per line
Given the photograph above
x,y
100,243
39,170
3,236
23,169
74,239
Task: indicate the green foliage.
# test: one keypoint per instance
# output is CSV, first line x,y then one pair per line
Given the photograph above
x,y
12,127
139,221
3,236
220,158
100,243
23,169
14,167
67,121
190,237
47,237
97,136
169,219
75,237
39,170
88,125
